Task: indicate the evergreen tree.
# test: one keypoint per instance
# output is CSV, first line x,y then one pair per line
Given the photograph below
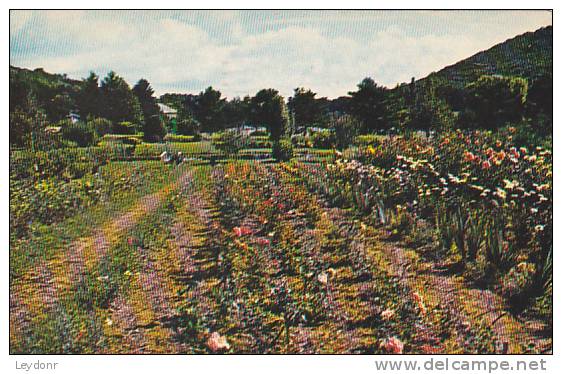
x,y
89,100
368,104
120,104
153,128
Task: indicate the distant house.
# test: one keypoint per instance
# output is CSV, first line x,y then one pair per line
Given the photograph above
x,y
73,117
247,130
168,112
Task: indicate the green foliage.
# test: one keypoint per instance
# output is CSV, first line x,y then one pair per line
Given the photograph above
x,y
102,126
187,125
493,101
209,110
306,109
90,101
282,150
366,140
120,104
368,104
153,128
52,93
268,108
229,142
528,55
346,129
82,133
323,139
180,138
125,128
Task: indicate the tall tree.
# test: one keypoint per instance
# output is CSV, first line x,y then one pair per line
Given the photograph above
x,y
119,101
268,108
153,128
306,109
368,104
209,110
89,100
236,111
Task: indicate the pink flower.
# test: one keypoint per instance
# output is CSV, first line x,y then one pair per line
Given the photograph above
x,y
262,241
217,343
130,241
393,345
241,231
387,314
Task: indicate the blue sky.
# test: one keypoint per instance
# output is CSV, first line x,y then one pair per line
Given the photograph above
x,y
240,52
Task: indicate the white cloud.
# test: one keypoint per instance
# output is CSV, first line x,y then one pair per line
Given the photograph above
x,y
306,50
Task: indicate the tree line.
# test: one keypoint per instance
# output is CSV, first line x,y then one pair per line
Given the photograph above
x,y
110,105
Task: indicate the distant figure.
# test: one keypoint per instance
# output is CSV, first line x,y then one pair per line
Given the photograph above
x,y
179,158
166,157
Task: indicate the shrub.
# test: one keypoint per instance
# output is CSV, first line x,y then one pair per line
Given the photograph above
x,y
229,142
282,150
187,126
102,126
346,129
181,138
323,139
125,128
81,133
366,140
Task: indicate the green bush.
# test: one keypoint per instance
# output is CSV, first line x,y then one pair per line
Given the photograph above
x,y
171,138
81,133
102,126
323,139
369,139
127,128
229,142
282,150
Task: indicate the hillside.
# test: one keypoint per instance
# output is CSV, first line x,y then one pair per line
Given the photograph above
x,y
528,55
56,93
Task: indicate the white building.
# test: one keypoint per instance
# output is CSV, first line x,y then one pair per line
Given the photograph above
x,y
168,112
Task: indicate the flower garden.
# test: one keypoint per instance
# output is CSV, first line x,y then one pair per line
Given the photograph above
x,y
402,245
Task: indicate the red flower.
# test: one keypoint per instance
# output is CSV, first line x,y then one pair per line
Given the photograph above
x,y
469,156
241,231
130,241
486,164
262,241
393,345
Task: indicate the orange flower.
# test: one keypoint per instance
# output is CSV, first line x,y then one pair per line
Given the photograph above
x,y
418,299
469,156
501,155
393,345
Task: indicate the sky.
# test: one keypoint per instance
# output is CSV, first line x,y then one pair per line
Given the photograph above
x,y
241,52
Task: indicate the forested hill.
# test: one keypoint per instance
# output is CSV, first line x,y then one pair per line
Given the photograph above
x,y
55,93
528,56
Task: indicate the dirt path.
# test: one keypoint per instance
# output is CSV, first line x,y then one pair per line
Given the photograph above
x,y
469,306
42,288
